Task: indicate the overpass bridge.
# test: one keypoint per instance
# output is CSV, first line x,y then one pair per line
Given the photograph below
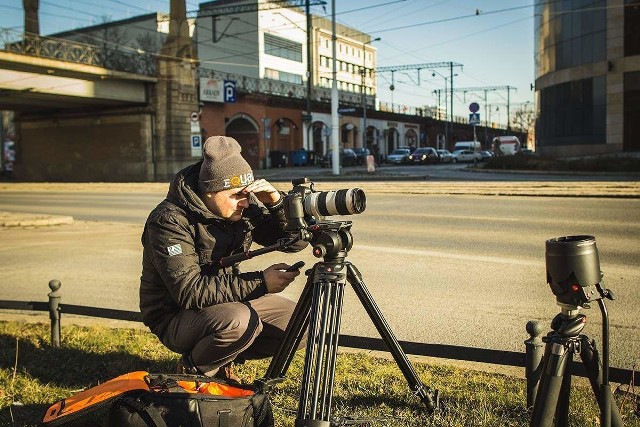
x,y
87,113
44,74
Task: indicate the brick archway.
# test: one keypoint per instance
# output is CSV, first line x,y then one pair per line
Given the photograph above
x,y
246,131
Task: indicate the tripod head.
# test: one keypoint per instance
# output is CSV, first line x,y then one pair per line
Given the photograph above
x,y
331,240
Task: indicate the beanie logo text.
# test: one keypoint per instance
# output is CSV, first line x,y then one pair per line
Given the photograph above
x,y
238,180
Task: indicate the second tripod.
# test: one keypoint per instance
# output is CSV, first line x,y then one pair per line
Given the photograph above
x,y
319,310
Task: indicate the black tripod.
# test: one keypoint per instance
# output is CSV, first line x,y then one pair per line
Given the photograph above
x,y
320,309
565,339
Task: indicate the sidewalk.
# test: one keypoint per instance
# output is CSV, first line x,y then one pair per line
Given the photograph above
x,y
353,173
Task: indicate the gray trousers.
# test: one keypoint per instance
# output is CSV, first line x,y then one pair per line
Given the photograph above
x,y
217,335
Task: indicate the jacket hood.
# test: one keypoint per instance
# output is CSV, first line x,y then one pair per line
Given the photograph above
x,y
183,193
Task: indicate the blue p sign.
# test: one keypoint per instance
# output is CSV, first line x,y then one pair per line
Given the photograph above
x,y
230,91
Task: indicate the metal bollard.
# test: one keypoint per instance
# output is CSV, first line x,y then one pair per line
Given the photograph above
x,y
54,311
533,359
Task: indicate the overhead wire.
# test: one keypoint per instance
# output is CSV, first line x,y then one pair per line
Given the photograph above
x,y
232,54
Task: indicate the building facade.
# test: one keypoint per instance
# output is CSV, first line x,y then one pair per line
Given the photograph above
x,y
587,77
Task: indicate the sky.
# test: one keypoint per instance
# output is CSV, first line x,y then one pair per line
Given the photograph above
x,y
492,39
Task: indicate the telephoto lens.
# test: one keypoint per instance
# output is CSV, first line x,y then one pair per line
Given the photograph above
x,y
339,202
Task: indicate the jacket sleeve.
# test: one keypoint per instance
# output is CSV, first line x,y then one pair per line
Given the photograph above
x,y
176,261
269,223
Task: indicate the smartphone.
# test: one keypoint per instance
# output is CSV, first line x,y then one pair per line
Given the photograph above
x,y
297,266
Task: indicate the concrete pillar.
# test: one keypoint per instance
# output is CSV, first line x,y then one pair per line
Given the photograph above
x,y
176,96
31,22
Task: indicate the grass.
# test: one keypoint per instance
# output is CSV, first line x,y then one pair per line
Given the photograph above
x,y
587,164
366,387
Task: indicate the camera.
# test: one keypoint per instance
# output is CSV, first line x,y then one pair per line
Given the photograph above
x,y
305,206
573,269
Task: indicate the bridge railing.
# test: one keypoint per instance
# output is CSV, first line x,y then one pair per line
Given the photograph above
x,y
118,59
245,84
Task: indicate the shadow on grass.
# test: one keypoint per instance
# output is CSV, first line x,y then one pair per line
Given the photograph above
x,y
60,370
27,415
71,367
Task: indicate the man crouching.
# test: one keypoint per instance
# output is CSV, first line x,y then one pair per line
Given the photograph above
x,y
209,314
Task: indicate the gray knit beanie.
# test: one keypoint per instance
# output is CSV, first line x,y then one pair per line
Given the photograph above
x,y
223,166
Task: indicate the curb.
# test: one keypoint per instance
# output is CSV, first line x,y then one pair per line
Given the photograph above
x,y
18,219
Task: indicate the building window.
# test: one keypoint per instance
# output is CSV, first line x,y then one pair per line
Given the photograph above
x,y
282,76
631,25
573,113
283,48
570,34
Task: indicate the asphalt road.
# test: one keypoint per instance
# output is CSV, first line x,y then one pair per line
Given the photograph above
x,y
451,269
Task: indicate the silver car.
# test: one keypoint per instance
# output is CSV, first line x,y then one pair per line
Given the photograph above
x,y
445,156
465,156
399,156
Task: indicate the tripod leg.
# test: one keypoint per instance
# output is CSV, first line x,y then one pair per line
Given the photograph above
x,y
314,407
562,407
591,362
556,357
292,336
429,398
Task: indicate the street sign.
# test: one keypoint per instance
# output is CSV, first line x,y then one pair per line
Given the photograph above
x,y
195,116
343,110
196,146
474,118
230,91
474,107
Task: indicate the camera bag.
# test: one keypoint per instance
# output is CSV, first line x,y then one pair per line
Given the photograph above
x,y
140,399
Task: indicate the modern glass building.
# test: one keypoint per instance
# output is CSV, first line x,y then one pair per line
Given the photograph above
x,y
587,77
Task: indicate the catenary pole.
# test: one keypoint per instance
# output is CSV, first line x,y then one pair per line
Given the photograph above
x,y
451,98
307,119
335,158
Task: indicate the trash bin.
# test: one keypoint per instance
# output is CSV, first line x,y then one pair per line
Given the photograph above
x,y
278,159
299,157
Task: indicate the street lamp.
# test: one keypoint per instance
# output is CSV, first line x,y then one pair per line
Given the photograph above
x,y
363,92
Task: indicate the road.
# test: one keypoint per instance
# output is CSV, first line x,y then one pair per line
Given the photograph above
x,y
451,269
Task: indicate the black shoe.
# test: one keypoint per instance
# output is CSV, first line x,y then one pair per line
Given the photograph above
x,y
186,366
226,374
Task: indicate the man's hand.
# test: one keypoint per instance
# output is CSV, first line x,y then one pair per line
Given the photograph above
x,y
276,279
264,191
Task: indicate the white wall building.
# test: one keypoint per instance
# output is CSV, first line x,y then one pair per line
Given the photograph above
x,y
272,44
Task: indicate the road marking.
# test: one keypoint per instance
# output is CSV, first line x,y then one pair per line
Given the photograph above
x,y
448,255
466,217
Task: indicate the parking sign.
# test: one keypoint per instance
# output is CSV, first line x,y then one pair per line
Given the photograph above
x,y
230,91
196,146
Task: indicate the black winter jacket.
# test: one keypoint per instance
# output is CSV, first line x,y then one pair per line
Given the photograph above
x,y
183,241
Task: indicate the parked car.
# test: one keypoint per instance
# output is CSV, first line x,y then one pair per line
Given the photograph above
x,y
485,155
398,156
348,157
445,156
424,155
361,154
465,156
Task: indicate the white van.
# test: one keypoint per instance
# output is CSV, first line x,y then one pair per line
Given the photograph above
x,y
506,145
467,145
